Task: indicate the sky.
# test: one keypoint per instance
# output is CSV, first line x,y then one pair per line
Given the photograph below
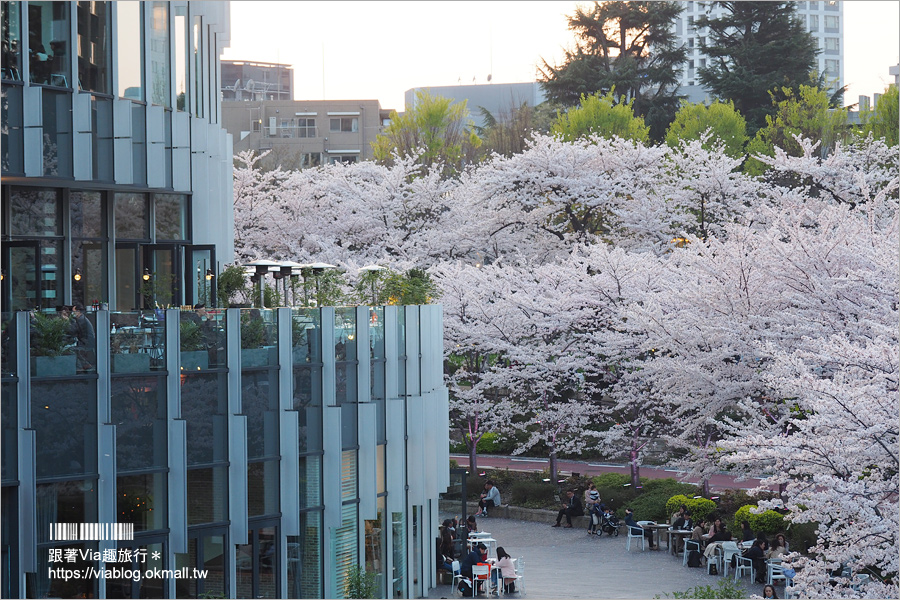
x,y
378,50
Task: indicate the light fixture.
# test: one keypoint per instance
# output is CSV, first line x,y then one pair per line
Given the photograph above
x,y
146,275
209,274
77,275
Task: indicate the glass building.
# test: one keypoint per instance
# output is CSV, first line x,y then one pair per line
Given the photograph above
x,y
169,453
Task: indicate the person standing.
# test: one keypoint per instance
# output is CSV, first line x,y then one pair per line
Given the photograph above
x,y
572,508
81,329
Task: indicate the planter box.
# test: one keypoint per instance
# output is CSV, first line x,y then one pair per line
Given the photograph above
x,y
52,366
193,361
130,363
256,357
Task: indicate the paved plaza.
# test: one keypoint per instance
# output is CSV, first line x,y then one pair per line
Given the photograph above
x,y
568,563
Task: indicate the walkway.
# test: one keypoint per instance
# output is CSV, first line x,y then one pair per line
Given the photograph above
x,y
568,563
718,481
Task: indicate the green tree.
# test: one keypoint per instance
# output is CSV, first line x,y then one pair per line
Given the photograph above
x,y
719,118
437,128
601,115
807,114
629,46
883,120
509,131
753,48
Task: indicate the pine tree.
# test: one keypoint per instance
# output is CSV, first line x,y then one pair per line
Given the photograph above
x,y
629,46
753,48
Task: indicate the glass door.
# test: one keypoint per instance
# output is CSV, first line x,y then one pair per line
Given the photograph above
x,y
163,288
128,280
200,269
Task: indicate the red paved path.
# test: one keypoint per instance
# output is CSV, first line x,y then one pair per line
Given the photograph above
x,y
519,463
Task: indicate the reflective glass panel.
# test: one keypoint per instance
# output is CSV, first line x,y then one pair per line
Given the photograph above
x,y
12,41
34,212
197,39
141,500
94,44
207,493
170,216
159,54
181,58
262,488
48,43
64,417
138,410
129,55
132,220
204,405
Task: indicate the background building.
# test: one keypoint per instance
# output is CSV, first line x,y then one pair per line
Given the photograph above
x,y
266,449
305,133
495,97
823,18
251,80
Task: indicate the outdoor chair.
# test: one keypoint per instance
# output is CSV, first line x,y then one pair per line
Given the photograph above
x,y
716,560
688,546
858,581
744,565
481,573
775,571
636,536
458,576
729,549
520,575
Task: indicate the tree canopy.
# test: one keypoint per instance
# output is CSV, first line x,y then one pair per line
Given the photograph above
x,y
437,130
883,121
603,116
753,48
718,122
629,46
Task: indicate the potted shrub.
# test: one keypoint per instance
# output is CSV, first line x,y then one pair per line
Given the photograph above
x,y
193,348
51,351
126,353
253,340
230,284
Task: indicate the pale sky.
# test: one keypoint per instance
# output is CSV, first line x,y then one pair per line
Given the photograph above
x,y
378,50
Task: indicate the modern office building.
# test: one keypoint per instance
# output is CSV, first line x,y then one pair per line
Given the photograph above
x,y
305,133
494,97
824,19
166,453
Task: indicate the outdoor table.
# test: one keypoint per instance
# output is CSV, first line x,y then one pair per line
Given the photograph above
x,y
490,542
673,536
656,528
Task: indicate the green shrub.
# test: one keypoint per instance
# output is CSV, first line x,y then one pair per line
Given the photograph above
x,y
650,502
768,522
360,583
49,335
700,508
726,589
533,494
613,491
191,337
801,536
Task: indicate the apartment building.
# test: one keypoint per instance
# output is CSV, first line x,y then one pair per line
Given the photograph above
x,y
824,19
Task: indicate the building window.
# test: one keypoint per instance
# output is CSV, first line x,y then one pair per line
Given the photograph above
x,y
310,159
170,216
87,221
286,128
347,159
306,128
48,43
12,41
94,45
690,42
198,67
813,22
702,63
131,217
159,55
813,5
832,67
832,22
129,51
182,62
345,124
832,44
690,65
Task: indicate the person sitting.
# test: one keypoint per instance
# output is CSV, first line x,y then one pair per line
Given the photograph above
x,y
477,555
638,529
678,514
779,547
714,528
446,553
489,497
684,523
471,525
757,554
698,531
747,534
572,508
504,566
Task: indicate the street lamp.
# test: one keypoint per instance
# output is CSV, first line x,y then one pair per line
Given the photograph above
x,y
286,271
316,269
370,272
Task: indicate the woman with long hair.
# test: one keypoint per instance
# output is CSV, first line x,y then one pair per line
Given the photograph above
x,y
505,567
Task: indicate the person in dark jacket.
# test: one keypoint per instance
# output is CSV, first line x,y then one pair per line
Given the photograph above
x,y
630,522
81,329
572,508
477,555
747,534
757,554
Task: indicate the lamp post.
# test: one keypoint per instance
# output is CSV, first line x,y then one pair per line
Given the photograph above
x,y
370,272
286,272
261,267
316,269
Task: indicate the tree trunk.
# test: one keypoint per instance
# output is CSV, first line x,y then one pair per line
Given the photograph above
x,y
473,455
705,487
553,477
635,470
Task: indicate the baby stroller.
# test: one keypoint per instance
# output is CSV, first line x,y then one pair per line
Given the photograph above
x,y
595,513
609,524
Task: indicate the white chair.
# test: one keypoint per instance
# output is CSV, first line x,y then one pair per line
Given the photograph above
x,y
716,560
520,575
458,576
636,536
729,549
744,565
775,571
688,546
481,573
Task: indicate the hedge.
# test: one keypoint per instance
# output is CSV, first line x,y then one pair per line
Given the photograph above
x,y
700,508
769,522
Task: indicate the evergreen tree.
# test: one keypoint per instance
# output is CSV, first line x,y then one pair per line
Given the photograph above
x,y
629,46
753,48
